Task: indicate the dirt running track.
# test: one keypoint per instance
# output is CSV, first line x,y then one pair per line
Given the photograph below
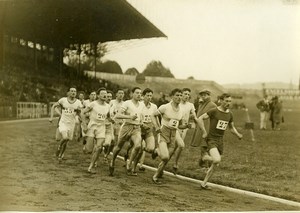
x,y
32,180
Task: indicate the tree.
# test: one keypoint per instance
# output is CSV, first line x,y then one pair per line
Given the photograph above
x,y
131,71
156,68
191,78
109,67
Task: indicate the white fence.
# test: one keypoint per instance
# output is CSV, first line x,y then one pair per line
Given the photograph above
x,y
31,110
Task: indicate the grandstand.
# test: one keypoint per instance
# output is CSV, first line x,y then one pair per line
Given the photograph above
x,y
33,35
283,94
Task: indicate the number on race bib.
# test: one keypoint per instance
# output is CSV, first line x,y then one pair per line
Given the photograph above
x,y
147,119
68,111
222,125
173,123
101,116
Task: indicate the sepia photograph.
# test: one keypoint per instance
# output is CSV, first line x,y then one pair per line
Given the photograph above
x,y
150,105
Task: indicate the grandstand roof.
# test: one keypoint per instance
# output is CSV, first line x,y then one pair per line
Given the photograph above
x,y
63,22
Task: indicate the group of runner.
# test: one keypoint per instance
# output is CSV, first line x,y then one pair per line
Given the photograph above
x,y
106,125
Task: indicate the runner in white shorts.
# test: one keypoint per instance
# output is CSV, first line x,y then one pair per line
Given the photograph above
x,y
115,109
109,129
70,109
99,113
168,130
147,128
131,111
188,110
77,129
86,118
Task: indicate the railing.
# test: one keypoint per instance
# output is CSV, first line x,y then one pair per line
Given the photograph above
x,y
31,110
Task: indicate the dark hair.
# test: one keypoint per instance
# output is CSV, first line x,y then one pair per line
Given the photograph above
x,y
186,89
174,91
92,91
109,91
71,87
135,88
224,95
101,89
79,92
147,90
120,90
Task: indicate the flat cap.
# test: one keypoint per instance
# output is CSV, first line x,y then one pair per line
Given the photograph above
x,y
205,91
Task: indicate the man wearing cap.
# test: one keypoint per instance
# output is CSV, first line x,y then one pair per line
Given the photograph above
x,y
197,140
206,105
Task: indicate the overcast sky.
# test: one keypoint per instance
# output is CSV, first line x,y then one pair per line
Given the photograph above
x,y
232,41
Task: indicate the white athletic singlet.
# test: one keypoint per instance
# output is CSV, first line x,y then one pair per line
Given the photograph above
x,y
69,110
147,111
99,112
115,107
170,117
129,108
187,108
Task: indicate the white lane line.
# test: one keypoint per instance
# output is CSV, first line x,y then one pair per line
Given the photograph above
x,y
226,188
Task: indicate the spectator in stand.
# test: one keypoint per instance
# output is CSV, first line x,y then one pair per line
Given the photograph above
x,y
264,108
276,113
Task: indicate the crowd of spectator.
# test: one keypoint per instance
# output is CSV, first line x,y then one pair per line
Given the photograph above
x,y
22,82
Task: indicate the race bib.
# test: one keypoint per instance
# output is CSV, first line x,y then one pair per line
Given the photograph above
x,y
222,125
173,123
147,119
101,116
138,118
68,111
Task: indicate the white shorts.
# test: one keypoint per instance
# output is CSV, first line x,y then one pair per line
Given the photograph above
x,y
96,131
67,128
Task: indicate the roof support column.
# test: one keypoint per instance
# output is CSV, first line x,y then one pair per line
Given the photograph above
x,y
2,50
95,57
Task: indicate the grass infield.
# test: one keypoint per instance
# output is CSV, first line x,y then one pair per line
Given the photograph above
x,y
268,165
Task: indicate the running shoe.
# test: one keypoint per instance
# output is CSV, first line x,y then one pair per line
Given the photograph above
x,y
57,152
202,163
154,155
206,187
128,171
142,169
59,160
155,180
133,173
126,157
91,171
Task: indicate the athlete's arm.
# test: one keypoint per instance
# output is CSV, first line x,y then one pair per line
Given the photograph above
x,y
200,123
123,116
193,115
234,131
54,107
155,120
